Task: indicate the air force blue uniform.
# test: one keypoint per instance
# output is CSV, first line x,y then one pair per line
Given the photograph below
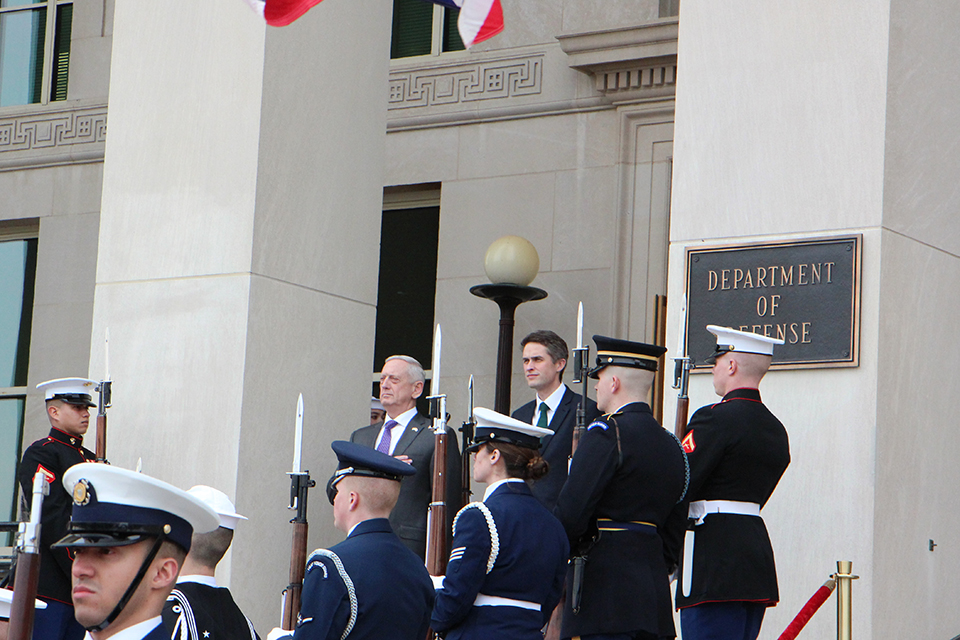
x,y
370,583
529,561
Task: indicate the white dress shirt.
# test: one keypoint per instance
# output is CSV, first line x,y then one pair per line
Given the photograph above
x,y
553,402
136,632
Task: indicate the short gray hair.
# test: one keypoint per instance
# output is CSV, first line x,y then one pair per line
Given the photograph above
x,y
414,368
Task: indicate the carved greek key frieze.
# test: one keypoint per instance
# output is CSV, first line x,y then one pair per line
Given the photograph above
x,y
459,83
33,134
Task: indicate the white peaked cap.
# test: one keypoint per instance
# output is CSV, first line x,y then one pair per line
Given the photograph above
x,y
742,341
219,502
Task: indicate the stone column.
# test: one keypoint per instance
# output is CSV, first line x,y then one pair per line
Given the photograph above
x,y
238,255
831,119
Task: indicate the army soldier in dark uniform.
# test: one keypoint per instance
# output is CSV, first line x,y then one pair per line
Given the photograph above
x,y
370,586
68,403
129,534
737,450
198,608
622,506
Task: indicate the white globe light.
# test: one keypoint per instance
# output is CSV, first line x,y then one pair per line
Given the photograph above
x,y
511,260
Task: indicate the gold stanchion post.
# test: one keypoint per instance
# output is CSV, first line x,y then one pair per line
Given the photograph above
x,y
844,578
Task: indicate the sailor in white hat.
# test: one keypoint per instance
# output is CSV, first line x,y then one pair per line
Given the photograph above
x,y
509,554
377,412
199,608
129,534
738,450
6,603
68,404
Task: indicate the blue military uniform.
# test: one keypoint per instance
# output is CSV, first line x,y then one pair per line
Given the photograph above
x,y
505,574
203,611
368,586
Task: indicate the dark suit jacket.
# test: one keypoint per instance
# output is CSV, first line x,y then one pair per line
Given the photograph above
x,y
556,448
409,517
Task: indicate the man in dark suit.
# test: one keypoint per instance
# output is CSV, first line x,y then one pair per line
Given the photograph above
x,y
622,500
555,407
406,435
738,451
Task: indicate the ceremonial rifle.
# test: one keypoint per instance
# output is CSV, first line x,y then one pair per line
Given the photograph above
x,y
300,482
104,390
581,357
28,566
681,376
437,513
467,429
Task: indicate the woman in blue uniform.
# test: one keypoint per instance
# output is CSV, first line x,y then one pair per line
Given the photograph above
x,y
509,554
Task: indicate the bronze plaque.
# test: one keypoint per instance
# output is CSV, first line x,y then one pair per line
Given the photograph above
x,y
806,293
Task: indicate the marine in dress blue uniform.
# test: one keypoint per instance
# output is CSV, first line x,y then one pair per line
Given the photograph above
x,y
738,450
509,554
123,524
623,506
370,586
52,456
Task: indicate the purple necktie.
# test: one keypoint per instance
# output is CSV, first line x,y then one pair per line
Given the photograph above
x,y
384,446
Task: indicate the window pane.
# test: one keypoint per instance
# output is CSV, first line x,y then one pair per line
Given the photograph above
x,y
21,56
412,28
451,35
18,265
61,53
17,3
11,432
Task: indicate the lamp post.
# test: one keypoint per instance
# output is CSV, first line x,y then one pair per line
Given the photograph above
x,y
511,264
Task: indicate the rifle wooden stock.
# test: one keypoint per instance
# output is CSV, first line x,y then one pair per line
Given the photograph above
x,y
101,446
683,407
298,561
24,596
437,517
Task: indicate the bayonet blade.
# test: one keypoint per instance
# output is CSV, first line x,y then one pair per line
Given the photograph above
x,y
298,435
470,389
580,326
435,366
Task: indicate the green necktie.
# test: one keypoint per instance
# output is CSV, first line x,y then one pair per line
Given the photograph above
x,y
542,422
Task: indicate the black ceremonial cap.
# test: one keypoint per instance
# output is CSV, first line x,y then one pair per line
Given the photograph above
x,y
612,352
357,460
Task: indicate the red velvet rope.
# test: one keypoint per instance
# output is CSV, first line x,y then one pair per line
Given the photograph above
x,y
814,603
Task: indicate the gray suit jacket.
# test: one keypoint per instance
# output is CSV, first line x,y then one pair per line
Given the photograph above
x,y
409,517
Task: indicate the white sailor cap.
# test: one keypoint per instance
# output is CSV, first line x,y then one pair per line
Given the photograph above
x,y
115,507
6,600
219,502
496,427
71,390
740,341
375,404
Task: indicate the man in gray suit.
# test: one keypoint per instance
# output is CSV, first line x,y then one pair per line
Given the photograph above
x,y
406,435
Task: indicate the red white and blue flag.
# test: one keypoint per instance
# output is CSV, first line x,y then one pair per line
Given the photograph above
x,y
478,21
280,13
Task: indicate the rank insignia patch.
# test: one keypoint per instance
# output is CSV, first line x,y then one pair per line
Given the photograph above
x,y
51,476
689,445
